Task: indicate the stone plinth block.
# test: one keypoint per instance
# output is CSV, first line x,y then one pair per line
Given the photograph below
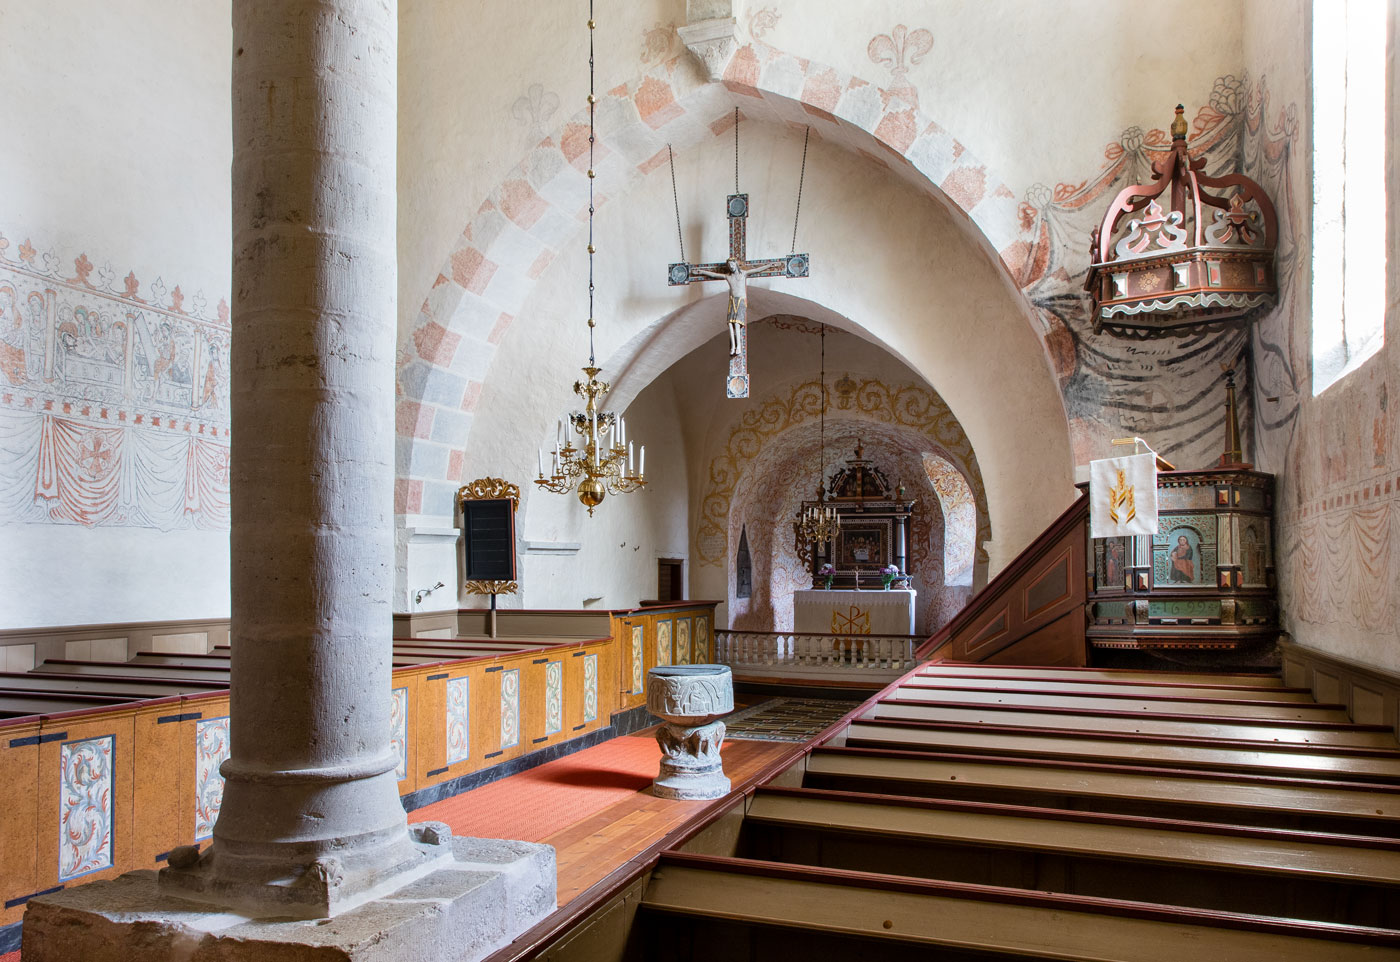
x,y
486,895
691,699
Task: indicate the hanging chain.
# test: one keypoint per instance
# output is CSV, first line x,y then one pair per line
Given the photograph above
x,y
736,150
822,456
676,200
800,178
592,103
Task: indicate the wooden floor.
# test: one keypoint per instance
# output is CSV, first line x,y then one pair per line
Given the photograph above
x,y
590,849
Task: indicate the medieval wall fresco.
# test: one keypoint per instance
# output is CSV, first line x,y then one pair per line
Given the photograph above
x,y
1337,454
1169,391
113,397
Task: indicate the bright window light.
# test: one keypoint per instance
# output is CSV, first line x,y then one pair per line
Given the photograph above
x,y
1349,197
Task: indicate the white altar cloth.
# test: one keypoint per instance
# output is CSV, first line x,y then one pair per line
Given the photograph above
x,y
842,611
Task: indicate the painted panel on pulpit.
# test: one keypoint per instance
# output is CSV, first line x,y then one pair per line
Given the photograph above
x,y
1183,554
1110,556
1254,552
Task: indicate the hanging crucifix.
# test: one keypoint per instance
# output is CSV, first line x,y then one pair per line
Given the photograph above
x,y
736,271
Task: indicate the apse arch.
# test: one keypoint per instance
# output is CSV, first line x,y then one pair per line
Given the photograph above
x,y
518,231
784,472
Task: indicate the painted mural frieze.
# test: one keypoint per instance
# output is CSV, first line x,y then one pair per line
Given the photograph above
x,y
113,397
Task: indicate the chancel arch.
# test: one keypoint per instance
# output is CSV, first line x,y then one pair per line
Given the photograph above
x,y
517,269
776,481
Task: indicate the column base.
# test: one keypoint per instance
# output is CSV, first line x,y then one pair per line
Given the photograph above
x,y
691,766
481,898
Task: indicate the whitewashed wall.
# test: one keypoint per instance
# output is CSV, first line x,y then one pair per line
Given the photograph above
x,y
114,274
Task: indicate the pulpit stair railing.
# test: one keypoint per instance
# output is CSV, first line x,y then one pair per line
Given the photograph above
x,y
783,650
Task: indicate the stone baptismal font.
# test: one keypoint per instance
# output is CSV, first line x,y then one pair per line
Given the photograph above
x,y
690,699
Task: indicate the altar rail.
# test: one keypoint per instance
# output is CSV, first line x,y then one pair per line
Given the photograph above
x,y
804,653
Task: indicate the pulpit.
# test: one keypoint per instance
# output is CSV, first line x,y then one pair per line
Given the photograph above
x,y
1204,579
842,612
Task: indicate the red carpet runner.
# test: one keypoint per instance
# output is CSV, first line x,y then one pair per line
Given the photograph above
x,y
534,804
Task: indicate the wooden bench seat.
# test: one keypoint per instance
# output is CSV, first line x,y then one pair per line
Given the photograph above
x,y
1114,689
1347,808
1241,729
163,660
1111,675
1139,704
121,669
18,703
136,688
697,906
1377,765
509,643
1173,862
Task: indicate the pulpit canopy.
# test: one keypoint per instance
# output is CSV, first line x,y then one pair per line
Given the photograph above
x,y
1203,262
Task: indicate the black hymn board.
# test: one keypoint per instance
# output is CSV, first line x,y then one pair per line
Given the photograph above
x,y
489,544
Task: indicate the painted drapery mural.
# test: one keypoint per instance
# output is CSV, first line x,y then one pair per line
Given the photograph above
x,y
1169,391
113,397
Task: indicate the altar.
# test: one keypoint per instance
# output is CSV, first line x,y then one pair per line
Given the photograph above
x,y
854,612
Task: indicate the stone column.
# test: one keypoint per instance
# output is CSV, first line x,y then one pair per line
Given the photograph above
x,y
311,824
310,791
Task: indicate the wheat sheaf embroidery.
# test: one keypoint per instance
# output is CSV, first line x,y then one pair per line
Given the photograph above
x,y
1120,498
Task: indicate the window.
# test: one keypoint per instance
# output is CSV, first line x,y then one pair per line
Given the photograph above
x,y
743,567
1349,197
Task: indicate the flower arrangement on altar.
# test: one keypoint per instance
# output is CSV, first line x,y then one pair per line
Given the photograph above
x,y
827,572
887,575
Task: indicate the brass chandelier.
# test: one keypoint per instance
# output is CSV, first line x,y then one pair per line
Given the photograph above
x,y
602,463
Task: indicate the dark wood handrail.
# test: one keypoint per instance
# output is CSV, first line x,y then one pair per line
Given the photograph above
x,y
1076,513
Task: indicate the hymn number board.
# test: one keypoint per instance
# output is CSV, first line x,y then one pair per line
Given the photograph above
x,y
488,536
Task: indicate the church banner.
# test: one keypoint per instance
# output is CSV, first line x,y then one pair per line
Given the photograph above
x,y
1123,496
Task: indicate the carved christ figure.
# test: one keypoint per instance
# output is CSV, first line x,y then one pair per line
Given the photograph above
x,y
738,279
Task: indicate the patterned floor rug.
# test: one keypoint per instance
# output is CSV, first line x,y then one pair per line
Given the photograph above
x,y
785,719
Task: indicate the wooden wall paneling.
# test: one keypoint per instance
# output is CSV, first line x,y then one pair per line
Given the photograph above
x,y
531,705
429,712
1058,643
1372,695
201,791
486,715
703,637
450,745
572,660
99,807
19,816
162,790
1015,627
410,680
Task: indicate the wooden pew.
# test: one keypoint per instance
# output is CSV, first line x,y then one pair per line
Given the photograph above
x,y
1220,702
16,703
1259,871
1162,703
1021,683
124,670
1321,762
132,688
1346,808
158,659
702,906
1140,722
1104,675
